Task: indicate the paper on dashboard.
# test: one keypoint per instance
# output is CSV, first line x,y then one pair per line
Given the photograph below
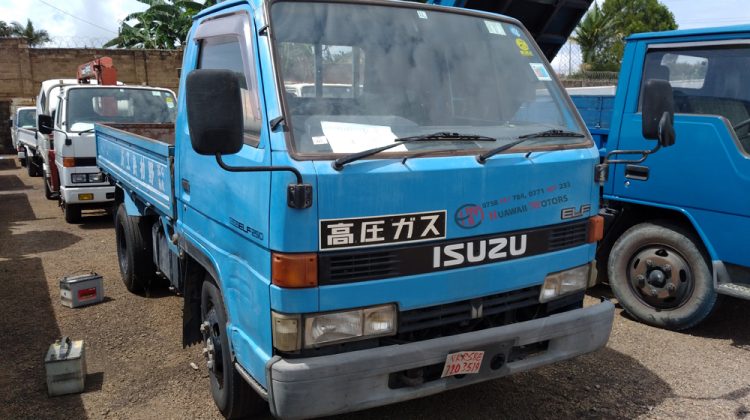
x,y
353,138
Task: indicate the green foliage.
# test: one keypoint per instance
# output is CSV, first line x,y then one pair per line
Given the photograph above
x,y
601,34
34,37
164,25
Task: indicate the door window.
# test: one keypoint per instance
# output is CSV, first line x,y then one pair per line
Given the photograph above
x,y
707,80
225,52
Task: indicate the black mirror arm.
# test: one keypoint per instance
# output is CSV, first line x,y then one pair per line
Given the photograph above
x,y
299,195
644,154
601,173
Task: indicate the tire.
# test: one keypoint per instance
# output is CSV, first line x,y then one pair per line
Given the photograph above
x,y
48,194
32,169
72,212
675,289
134,251
232,395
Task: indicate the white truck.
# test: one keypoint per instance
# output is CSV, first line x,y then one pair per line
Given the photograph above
x,y
69,160
22,126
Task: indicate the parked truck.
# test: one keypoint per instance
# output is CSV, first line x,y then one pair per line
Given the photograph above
x,y
68,155
433,228
22,125
674,223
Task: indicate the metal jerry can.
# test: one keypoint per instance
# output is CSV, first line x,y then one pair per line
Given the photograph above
x,y
65,364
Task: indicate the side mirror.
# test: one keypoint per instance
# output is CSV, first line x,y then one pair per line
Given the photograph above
x,y
44,123
214,111
658,112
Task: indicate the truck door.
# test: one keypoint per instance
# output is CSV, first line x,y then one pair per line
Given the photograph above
x,y
707,173
225,214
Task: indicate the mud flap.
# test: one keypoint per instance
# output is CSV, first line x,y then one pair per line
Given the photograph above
x,y
192,280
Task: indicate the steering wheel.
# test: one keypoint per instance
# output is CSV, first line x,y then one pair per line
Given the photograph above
x,y
741,124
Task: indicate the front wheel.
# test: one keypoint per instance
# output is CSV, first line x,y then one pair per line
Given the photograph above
x,y
661,277
232,395
48,193
72,211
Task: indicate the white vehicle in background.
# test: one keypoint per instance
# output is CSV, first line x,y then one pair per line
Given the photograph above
x,y
70,171
22,126
29,142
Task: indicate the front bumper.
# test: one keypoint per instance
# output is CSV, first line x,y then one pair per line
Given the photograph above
x,y
102,194
357,380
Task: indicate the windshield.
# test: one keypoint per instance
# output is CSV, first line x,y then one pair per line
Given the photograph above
x,y
87,106
359,76
26,118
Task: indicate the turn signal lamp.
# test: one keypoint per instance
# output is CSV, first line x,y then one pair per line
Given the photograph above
x,y
69,162
294,271
596,229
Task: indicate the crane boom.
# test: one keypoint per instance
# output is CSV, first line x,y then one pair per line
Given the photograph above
x,y
102,70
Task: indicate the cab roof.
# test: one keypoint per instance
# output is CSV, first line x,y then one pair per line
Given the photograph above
x,y
721,30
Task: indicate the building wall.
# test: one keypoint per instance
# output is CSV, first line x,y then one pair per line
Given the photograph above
x,y
22,70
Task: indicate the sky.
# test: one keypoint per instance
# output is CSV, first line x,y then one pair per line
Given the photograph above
x,y
99,19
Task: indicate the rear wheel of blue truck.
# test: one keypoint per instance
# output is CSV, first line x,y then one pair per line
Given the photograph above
x,y
232,395
660,274
134,251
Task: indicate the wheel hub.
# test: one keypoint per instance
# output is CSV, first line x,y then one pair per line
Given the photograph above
x,y
660,276
212,350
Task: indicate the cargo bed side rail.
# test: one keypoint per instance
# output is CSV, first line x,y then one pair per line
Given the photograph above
x,y
140,166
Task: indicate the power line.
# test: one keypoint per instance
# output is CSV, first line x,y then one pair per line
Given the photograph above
x,y
77,17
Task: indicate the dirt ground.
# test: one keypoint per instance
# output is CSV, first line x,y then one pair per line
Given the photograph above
x,y
137,367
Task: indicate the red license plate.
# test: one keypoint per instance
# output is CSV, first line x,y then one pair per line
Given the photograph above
x,y
462,363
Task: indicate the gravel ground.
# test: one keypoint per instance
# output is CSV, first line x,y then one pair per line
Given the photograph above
x,y
137,367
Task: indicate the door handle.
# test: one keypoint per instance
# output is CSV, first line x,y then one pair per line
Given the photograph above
x,y
185,185
637,172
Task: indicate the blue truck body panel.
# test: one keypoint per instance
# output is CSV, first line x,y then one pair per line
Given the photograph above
x,y
140,165
703,177
232,222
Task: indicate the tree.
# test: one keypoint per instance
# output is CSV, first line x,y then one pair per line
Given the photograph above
x,y
5,30
33,37
602,32
595,35
164,25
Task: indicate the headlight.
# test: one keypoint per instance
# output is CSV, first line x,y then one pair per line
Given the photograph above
x,y
564,282
78,178
333,327
96,177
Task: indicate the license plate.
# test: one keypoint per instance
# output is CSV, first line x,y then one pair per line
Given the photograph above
x,y
462,363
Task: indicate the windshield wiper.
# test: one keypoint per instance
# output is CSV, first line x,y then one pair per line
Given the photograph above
x,y
90,130
339,163
520,139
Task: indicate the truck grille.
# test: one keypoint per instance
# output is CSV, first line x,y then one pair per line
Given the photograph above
x,y
353,266
568,236
467,310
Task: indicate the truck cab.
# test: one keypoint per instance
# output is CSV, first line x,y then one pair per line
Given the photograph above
x,y
22,124
70,171
350,248
675,222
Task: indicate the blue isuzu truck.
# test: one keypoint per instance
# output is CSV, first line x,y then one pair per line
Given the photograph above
x,y
363,203
674,223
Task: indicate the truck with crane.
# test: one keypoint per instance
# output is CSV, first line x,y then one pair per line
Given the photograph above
x,y
674,223
430,227
66,150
